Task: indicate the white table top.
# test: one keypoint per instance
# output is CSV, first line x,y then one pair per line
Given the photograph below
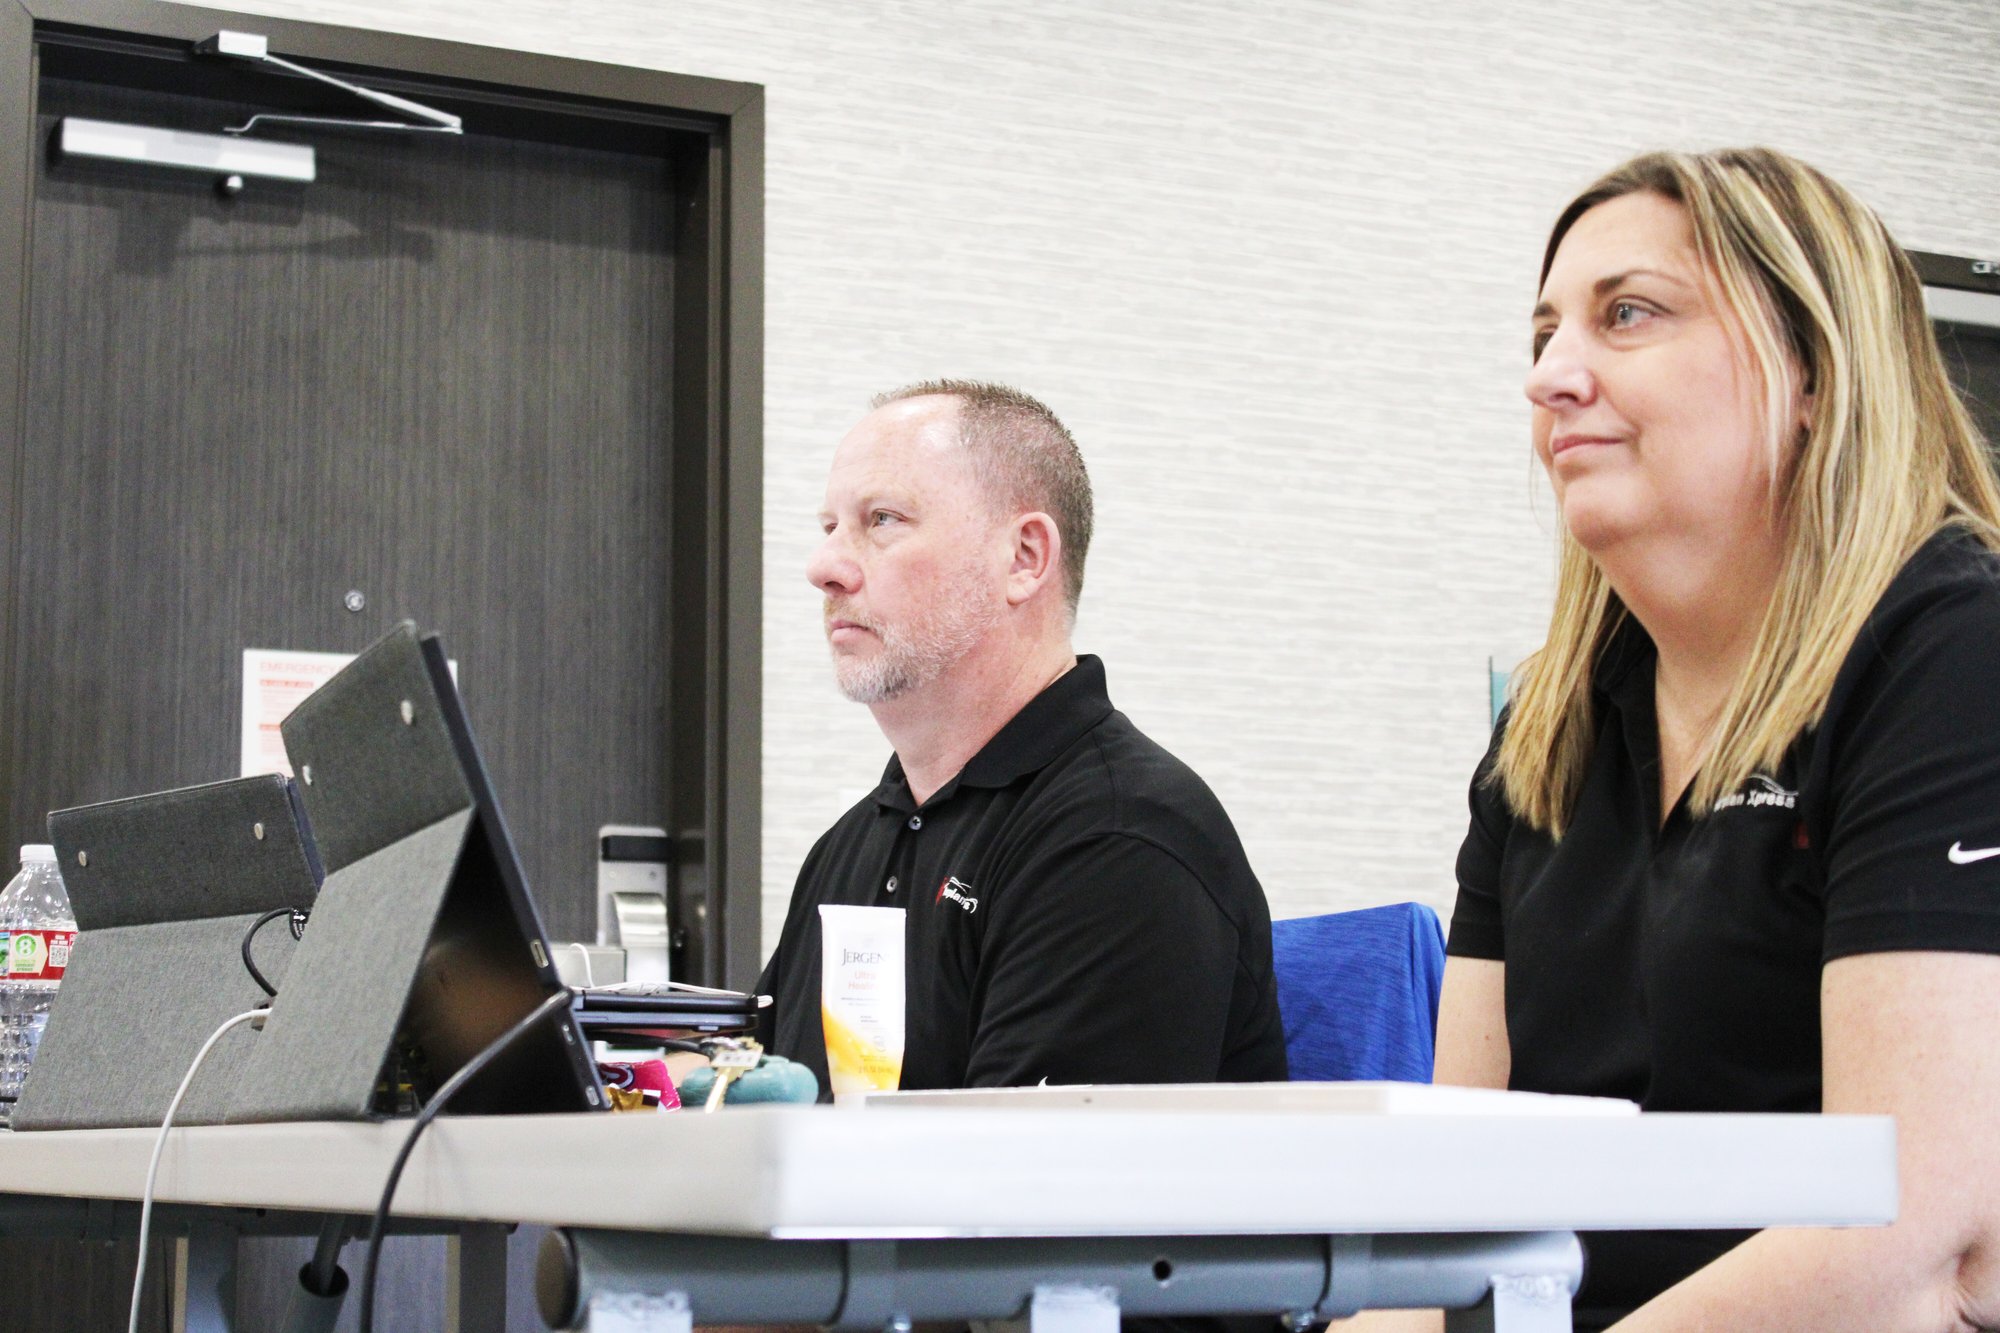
x,y
1209,1161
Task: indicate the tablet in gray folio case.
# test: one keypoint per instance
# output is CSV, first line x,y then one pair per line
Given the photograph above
x,y
424,944
165,887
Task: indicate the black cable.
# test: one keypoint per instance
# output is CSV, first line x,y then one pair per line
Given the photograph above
x,y
298,931
560,1000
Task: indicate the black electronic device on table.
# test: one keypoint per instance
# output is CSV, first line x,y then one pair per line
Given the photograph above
x,y
424,944
640,1015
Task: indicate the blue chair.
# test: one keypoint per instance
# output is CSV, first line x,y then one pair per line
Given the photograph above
x,y
1358,992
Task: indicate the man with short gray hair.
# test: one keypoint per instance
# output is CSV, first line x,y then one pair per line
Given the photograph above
x,y
1078,907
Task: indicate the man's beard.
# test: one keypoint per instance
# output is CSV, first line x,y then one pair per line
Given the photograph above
x,y
916,654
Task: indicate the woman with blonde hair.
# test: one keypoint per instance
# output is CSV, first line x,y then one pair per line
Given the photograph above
x,y
1736,846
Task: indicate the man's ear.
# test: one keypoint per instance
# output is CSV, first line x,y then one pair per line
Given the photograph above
x,y
1037,553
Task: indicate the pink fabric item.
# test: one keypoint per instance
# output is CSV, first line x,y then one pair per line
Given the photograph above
x,y
652,1074
647,1076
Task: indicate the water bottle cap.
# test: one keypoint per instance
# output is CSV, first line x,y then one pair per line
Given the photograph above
x,y
38,851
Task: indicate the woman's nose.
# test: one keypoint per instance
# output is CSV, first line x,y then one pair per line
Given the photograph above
x,y
1561,376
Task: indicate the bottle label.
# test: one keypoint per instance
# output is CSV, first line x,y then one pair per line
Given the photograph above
x,y
38,955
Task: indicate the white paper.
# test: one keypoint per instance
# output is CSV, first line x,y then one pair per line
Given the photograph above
x,y
275,681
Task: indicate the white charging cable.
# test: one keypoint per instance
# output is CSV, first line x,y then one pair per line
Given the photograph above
x,y
159,1144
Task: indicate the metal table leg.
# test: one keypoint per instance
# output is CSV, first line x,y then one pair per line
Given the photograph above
x,y
475,1294
204,1299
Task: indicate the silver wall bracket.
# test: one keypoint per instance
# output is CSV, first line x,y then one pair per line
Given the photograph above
x,y
632,862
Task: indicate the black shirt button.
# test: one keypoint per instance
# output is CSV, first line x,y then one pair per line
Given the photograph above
x,y
916,821
891,885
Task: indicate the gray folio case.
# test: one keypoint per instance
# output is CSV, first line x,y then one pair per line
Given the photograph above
x,y
424,944
165,888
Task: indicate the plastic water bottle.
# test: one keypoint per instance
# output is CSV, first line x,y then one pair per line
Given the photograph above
x,y
38,926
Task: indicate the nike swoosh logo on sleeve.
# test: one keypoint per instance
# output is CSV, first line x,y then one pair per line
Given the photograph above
x,y
1959,856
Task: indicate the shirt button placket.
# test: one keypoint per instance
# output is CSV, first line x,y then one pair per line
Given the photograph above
x,y
902,861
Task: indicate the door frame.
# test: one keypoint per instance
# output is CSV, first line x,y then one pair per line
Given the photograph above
x,y
715,602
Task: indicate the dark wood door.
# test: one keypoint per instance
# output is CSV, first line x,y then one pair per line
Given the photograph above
x,y
434,384
504,384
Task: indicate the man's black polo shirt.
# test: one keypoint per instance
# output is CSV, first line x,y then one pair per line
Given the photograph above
x,y
1678,965
1102,923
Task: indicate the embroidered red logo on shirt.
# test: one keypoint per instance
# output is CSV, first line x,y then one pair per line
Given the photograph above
x,y
958,891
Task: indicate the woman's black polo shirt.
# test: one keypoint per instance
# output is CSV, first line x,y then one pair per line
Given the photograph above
x,y
1679,965
1080,910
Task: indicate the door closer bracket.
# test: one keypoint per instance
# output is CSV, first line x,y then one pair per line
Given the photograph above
x,y
255,47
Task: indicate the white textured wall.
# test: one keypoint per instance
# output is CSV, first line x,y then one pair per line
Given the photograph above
x,y
1272,263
